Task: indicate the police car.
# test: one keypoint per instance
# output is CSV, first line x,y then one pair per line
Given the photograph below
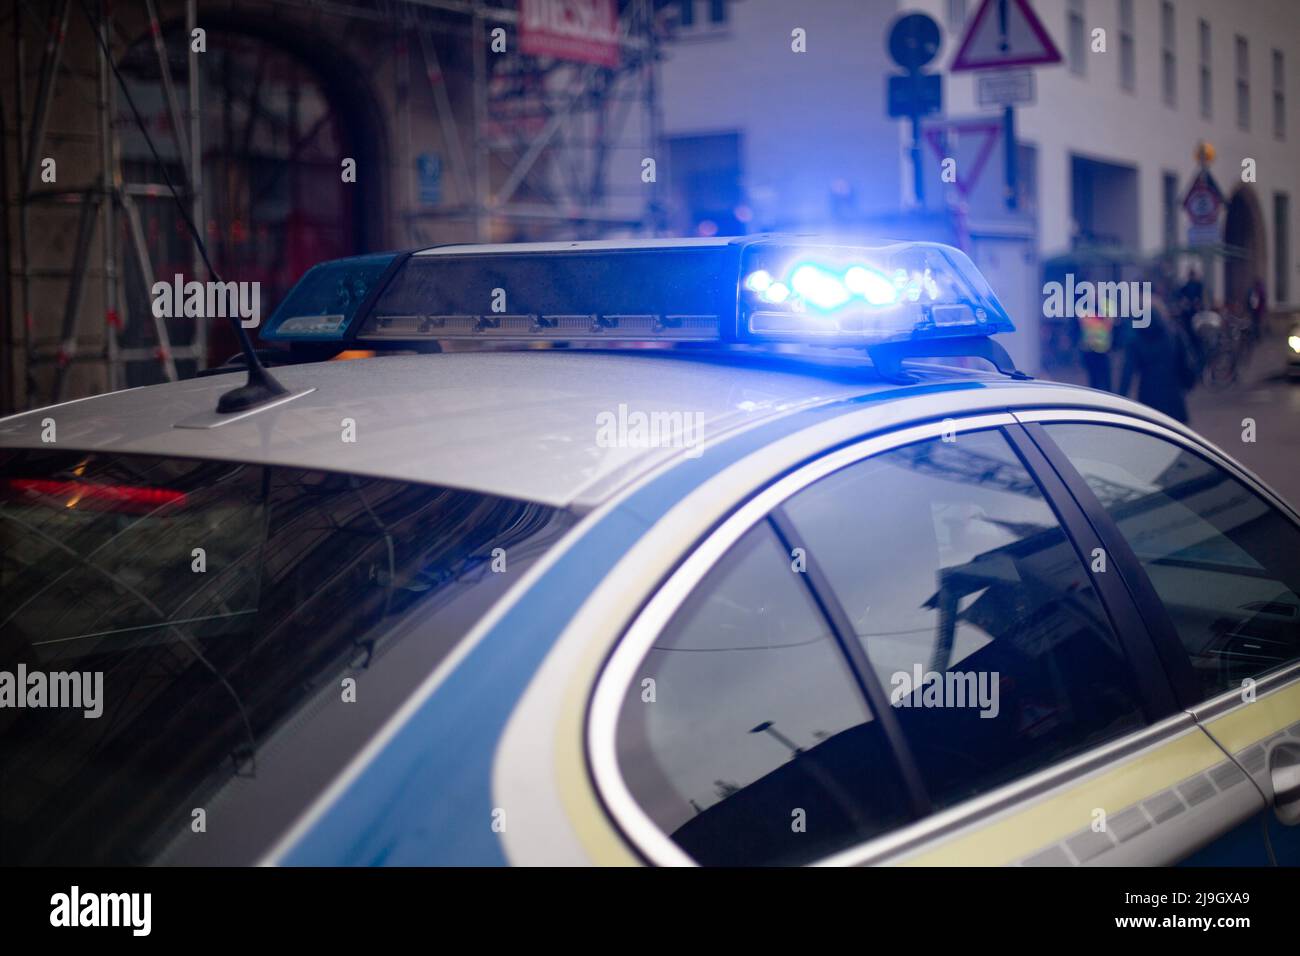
x,y
707,552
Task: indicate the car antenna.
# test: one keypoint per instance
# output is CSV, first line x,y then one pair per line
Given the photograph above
x,y
261,386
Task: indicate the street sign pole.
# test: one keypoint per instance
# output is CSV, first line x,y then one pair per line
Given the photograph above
x,y
1006,35
913,42
917,179
1009,136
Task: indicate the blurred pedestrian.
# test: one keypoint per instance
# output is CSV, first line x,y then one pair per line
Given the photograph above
x,y
1256,308
1094,335
1192,294
1161,359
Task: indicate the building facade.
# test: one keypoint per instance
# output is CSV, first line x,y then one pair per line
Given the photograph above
x,y
1105,152
720,117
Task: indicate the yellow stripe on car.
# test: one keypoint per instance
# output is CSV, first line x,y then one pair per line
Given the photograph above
x,y
1253,722
1018,833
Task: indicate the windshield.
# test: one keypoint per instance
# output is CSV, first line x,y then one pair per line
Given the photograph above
x,y
191,650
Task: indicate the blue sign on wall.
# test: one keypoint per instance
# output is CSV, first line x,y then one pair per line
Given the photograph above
x,y
428,168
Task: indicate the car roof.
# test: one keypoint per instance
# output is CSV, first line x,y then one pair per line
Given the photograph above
x,y
521,424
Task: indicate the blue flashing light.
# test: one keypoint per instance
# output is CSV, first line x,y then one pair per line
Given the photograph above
x,y
819,288
873,286
831,294
776,292
758,281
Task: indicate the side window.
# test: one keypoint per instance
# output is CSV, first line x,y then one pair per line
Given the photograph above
x,y
744,736
1225,563
977,615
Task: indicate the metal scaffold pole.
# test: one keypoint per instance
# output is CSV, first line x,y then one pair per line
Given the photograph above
x,y
482,223
108,223
195,178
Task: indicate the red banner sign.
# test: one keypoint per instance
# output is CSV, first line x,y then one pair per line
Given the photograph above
x,y
581,30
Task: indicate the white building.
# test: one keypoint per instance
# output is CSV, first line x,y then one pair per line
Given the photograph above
x,y
763,137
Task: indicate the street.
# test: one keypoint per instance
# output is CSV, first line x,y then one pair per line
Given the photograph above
x,y
1263,394
1273,402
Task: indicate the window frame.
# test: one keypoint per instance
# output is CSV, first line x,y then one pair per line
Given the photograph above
x,y
619,672
1159,623
1127,47
1168,54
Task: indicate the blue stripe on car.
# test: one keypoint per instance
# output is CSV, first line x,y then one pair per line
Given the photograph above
x,y
426,797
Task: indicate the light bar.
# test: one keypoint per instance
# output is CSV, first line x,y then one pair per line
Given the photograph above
x,y
841,295
569,292
748,290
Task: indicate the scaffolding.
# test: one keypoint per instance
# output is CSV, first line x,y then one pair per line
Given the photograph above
x,y
543,132
529,143
100,201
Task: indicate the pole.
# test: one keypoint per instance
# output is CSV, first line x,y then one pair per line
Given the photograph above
x,y
6,292
654,118
1009,148
24,214
108,187
918,183
196,173
482,186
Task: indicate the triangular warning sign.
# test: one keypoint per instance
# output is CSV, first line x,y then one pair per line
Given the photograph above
x,y
1002,34
970,142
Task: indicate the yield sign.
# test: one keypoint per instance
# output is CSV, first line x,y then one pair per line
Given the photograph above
x,y
970,142
1005,33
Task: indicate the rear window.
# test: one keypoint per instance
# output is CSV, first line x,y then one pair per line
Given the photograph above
x,y
191,650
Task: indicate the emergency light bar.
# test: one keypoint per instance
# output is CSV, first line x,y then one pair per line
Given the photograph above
x,y
747,290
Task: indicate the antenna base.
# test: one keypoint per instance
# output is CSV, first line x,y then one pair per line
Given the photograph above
x,y
261,387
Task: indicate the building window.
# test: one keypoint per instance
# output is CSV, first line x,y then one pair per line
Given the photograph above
x,y
699,20
1169,193
1168,55
1127,54
1207,98
1281,248
1078,34
956,14
1279,96
1242,58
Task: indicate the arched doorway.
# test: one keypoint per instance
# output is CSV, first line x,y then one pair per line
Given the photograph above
x,y
275,124
1244,230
